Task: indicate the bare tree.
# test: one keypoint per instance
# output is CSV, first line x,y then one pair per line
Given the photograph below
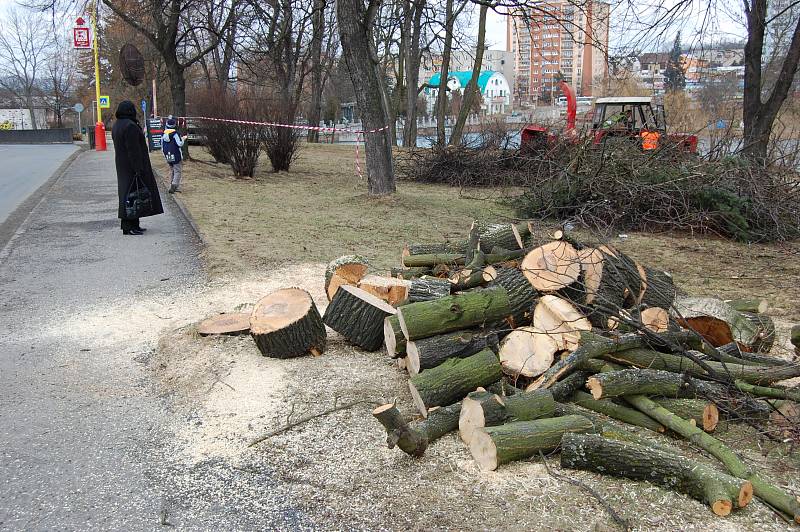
x,y
323,44
58,81
472,91
412,35
25,47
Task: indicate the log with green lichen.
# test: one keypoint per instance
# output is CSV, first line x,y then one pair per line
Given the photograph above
x,y
482,410
414,438
616,411
432,351
704,413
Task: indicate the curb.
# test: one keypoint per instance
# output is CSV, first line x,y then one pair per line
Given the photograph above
x,y
17,221
183,209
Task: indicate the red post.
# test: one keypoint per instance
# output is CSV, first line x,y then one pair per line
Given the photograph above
x,y
100,137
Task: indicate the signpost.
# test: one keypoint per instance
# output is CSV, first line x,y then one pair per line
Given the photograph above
x,y
104,102
99,128
78,108
155,130
81,38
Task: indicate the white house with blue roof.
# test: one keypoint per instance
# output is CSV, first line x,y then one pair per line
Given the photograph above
x,y
494,87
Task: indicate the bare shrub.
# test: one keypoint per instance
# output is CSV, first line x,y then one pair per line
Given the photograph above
x,y
213,103
282,145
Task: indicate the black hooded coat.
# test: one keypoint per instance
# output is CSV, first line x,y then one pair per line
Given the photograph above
x,y
132,158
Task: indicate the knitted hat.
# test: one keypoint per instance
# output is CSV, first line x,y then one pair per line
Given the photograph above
x,y
171,122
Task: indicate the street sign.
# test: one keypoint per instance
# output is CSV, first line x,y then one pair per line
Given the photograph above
x,y
105,102
144,108
155,130
81,38
78,107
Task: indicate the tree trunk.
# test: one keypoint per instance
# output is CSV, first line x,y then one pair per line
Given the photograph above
x,y
716,321
31,111
453,380
754,305
480,410
355,31
705,414
317,33
551,267
358,316
472,89
414,439
494,446
412,25
615,411
428,288
590,452
441,96
287,324
433,351
453,313
521,295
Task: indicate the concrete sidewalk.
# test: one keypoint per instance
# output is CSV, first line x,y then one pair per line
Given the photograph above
x,y
85,441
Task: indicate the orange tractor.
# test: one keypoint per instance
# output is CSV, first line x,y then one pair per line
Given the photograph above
x,y
617,119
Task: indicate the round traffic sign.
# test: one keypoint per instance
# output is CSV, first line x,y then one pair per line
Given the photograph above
x,y
78,107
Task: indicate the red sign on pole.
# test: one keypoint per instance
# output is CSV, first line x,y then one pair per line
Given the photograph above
x,y
81,37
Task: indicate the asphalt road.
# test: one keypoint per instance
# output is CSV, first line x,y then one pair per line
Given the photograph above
x,y
87,440
24,169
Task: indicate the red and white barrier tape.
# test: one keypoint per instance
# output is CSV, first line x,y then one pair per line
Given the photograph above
x,y
358,132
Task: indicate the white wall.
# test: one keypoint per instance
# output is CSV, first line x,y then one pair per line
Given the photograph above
x,y
21,118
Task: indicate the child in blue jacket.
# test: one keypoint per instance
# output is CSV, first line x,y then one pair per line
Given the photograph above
x,y
171,143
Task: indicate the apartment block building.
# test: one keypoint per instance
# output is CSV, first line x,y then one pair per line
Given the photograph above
x,y
558,38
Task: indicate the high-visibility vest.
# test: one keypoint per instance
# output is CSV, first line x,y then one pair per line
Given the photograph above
x,y
650,140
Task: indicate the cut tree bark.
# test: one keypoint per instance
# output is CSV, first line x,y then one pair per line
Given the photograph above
x,y
452,313
428,288
480,410
230,324
433,259
715,321
731,353
507,236
705,414
453,380
652,318
358,316
615,411
521,295
428,249
645,358
527,351
287,324
433,351
754,305
765,327
590,452
566,388
659,288
772,495
561,320
411,273
346,270
551,267
493,446
415,439
393,337
393,291
770,392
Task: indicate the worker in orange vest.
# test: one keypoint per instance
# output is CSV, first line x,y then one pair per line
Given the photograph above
x,y
650,140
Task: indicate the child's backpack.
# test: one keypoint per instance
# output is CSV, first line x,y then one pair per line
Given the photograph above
x,y
172,152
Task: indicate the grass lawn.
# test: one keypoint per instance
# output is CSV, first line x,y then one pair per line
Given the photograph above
x,y
319,210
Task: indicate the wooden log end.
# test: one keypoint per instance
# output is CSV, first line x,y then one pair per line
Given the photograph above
x,y
287,324
483,450
527,351
389,339
595,387
722,507
412,358
230,324
381,409
551,267
470,419
710,417
419,402
746,494
489,274
346,270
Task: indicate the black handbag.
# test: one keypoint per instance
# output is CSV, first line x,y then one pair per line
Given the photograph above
x,y
138,202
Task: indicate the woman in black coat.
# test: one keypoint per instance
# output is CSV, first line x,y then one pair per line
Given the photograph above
x,y
132,160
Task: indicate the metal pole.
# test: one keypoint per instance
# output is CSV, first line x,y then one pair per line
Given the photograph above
x,y
155,99
99,128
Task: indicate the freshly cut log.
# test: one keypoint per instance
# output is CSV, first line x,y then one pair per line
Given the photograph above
x,y
346,270
411,273
231,324
521,295
358,316
754,305
527,351
705,414
393,337
433,351
731,353
287,324
453,313
433,259
615,411
654,319
659,288
590,452
715,321
792,394
492,447
551,267
483,409
393,291
506,236
566,388
449,382
772,495
414,439
645,358
560,320
428,288
427,249
765,327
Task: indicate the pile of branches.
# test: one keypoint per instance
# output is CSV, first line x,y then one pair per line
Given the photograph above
x,y
529,343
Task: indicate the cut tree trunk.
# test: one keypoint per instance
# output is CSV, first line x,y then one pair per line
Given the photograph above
x,y
521,295
358,316
615,411
705,414
393,337
551,267
731,352
484,409
393,291
287,324
566,388
754,305
653,319
590,452
765,337
795,336
411,273
414,439
561,320
452,381
434,249
231,324
715,321
493,446
507,236
433,351
428,288
527,351
453,313
659,288
433,259
772,495
346,270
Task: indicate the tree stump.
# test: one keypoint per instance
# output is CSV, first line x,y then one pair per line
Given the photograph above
x,y
346,270
287,324
551,267
230,324
358,316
